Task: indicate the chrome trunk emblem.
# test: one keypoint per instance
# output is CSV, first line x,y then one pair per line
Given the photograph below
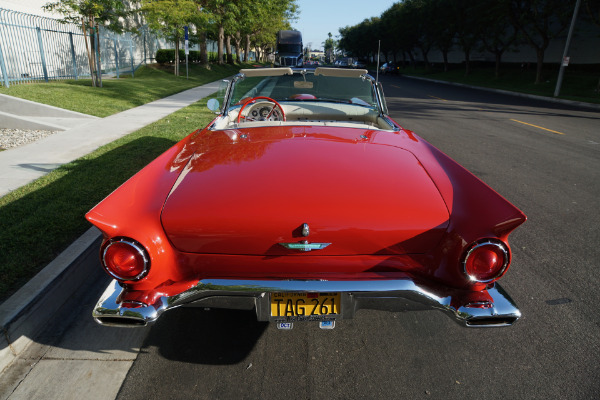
x,y
304,246
305,230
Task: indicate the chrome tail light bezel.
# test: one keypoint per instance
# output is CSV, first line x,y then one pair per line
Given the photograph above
x,y
482,243
138,248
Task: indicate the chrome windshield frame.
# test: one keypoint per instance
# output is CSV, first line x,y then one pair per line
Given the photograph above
x,y
376,87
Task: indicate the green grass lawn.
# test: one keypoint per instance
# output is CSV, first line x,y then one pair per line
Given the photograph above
x,y
116,95
580,84
41,219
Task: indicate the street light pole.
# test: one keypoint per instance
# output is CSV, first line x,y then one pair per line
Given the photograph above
x,y
564,58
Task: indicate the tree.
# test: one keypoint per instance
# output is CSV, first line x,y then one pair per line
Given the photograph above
x,y
497,34
394,36
593,10
91,13
418,17
169,18
201,21
269,17
540,21
329,47
467,26
224,13
444,31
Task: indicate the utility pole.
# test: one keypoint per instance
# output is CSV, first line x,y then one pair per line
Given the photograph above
x,y
564,62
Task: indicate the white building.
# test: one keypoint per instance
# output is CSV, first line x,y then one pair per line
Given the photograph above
x,y
28,6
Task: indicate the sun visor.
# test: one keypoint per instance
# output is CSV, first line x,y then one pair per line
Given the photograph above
x,y
267,72
340,72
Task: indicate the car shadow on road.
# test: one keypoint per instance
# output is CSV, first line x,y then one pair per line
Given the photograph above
x,y
199,336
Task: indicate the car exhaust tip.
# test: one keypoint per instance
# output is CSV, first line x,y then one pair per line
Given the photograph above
x,y
111,311
498,311
123,322
490,322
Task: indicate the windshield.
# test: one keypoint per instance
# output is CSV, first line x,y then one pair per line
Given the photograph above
x,y
289,48
307,87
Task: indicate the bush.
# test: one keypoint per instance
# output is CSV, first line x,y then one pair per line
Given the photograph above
x,y
164,56
194,56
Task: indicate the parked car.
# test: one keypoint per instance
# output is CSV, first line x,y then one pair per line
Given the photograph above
x,y
305,201
358,64
389,68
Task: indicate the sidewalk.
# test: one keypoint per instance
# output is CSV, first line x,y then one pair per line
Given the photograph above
x,y
27,163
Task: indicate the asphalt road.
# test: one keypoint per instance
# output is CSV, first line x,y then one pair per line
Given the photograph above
x,y
546,160
551,353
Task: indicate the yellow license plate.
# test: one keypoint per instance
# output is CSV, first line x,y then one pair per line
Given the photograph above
x,y
300,306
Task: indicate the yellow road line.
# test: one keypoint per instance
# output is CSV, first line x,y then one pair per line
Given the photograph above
x,y
539,127
437,98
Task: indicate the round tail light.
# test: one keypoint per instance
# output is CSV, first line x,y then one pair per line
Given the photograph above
x,y
486,261
125,259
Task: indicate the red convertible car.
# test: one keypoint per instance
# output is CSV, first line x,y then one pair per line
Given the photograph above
x,y
304,201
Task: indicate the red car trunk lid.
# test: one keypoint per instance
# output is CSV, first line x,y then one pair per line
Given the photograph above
x,y
247,192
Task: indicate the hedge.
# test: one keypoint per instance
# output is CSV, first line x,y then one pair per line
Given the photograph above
x,y
164,56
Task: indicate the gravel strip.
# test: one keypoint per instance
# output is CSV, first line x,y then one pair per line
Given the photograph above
x,y
17,137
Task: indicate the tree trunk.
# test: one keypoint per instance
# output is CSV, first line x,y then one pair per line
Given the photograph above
x,y
176,54
467,61
540,64
221,39
228,55
203,52
498,62
238,47
412,59
229,50
247,50
425,58
99,61
93,44
445,55
89,54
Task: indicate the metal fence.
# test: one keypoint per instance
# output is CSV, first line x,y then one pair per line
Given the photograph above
x,y
36,48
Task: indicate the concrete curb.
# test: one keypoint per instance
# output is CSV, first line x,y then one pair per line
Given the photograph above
x,y
25,313
517,94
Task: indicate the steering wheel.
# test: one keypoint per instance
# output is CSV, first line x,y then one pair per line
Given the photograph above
x,y
266,118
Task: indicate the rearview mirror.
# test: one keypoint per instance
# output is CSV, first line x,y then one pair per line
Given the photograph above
x,y
303,85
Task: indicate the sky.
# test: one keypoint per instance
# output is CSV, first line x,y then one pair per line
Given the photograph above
x,y
319,17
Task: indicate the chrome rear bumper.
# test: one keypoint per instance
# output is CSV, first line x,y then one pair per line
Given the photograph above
x,y
488,308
